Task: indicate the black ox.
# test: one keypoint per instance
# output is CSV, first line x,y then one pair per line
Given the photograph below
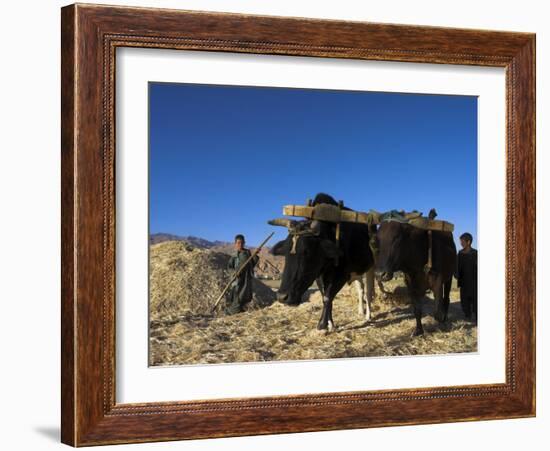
x,y
403,247
312,253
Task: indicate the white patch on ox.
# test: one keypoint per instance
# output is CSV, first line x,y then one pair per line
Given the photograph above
x,y
364,289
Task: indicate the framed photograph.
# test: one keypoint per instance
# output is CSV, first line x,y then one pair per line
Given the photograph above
x,y
278,225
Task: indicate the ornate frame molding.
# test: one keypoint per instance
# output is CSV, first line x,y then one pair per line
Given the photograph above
x,y
90,36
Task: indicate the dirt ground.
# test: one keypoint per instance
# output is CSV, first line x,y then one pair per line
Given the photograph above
x,y
280,332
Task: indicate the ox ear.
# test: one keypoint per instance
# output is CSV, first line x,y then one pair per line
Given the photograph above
x,y
330,249
279,248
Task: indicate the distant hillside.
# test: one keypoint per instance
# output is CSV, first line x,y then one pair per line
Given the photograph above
x,y
269,266
156,238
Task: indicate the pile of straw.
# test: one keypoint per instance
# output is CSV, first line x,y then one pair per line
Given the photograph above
x,y
284,333
186,280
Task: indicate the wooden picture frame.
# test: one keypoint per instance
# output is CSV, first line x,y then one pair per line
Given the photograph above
x,y
90,414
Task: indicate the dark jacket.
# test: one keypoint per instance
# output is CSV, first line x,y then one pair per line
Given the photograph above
x,y
466,274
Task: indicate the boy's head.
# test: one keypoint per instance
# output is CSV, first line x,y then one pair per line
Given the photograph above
x,y
466,240
239,242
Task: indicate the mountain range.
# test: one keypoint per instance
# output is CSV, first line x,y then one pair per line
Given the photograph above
x,y
156,238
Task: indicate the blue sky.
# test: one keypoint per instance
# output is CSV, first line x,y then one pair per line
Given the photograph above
x,y
225,159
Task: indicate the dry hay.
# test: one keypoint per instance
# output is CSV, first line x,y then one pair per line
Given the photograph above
x,y
186,280
281,332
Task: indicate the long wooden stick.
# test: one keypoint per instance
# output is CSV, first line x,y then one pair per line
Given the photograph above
x,y
240,270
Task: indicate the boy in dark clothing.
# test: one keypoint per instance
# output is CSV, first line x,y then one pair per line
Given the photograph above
x,y
467,276
240,293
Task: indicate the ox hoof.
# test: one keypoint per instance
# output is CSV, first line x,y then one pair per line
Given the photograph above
x,y
320,332
418,332
440,317
331,327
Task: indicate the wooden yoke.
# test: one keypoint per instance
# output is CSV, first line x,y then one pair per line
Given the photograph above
x,y
332,213
337,214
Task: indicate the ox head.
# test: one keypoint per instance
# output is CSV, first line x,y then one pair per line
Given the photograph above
x,y
393,249
308,250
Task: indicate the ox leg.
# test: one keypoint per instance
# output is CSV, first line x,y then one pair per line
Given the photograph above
x,y
415,292
331,289
417,306
359,290
446,297
330,323
437,289
369,293
325,322
319,282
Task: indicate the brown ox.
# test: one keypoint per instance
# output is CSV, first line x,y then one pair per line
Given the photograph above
x,y
403,247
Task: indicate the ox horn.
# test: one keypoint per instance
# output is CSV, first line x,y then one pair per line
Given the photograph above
x,y
283,222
